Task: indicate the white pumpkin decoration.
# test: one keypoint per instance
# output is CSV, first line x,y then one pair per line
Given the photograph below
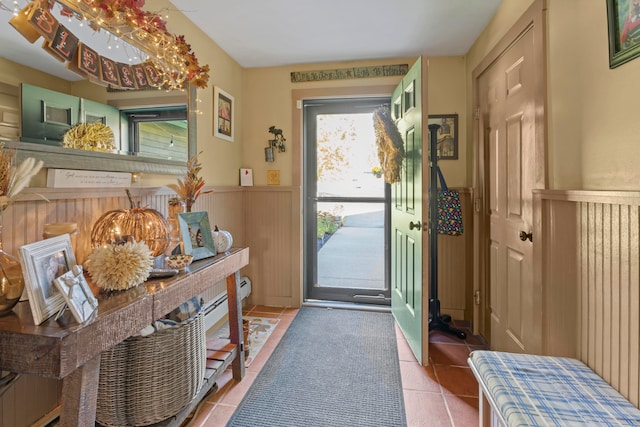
x,y
222,240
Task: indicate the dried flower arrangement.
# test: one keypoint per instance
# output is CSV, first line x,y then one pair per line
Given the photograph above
x,y
90,136
190,187
390,145
116,267
14,179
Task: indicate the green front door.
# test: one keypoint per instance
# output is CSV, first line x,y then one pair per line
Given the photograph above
x,y
407,223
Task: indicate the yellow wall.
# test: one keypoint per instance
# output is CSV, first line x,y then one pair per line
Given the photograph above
x,y
268,102
504,18
592,120
593,109
221,159
14,74
593,126
447,95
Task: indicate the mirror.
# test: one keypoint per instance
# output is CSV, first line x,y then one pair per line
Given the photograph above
x,y
17,67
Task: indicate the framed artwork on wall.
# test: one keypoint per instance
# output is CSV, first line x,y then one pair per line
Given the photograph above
x,y
42,263
623,17
223,110
447,135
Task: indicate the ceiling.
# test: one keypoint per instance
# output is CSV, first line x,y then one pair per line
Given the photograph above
x,y
259,33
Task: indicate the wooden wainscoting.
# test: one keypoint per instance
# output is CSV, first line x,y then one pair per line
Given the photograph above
x,y
265,219
31,398
273,230
590,258
24,220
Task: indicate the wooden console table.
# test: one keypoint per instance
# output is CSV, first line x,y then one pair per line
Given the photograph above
x,y
71,352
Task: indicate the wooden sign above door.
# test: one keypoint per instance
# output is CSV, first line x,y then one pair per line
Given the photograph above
x,y
349,73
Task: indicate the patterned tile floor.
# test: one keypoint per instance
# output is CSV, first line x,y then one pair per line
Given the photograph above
x,y
445,393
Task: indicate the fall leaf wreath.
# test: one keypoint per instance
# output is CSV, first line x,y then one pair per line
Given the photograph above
x,y
390,145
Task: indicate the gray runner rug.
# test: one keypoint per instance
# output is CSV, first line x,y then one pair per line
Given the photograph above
x,y
331,368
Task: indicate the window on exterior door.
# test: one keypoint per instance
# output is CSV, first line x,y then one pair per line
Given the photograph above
x,y
346,203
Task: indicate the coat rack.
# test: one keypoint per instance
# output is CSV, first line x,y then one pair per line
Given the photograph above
x,y
437,321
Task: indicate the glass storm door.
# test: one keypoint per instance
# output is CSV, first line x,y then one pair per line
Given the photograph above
x,y
346,204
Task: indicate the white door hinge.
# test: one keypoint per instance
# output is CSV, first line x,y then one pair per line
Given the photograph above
x,y
476,205
476,297
476,113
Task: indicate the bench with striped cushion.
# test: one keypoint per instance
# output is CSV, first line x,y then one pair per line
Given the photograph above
x,y
529,390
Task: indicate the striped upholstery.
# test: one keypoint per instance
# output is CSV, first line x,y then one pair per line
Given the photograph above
x,y
528,390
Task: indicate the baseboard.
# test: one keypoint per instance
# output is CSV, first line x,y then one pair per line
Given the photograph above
x,y
217,308
347,306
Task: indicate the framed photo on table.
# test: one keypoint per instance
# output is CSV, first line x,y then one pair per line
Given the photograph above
x,y
223,111
42,263
623,18
77,294
195,232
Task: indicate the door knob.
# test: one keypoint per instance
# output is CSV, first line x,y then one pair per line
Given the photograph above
x,y
417,225
524,236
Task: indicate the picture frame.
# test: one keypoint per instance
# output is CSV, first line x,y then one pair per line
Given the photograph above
x,y
77,294
623,18
195,232
42,262
223,111
447,135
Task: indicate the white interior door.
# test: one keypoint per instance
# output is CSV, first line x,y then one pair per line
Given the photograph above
x,y
508,117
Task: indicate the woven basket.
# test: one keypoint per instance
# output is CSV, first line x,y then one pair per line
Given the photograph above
x,y
144,380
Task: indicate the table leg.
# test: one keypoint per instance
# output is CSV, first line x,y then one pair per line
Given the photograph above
x,y
235,324
79,395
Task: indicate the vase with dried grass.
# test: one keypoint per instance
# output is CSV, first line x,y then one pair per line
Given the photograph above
x,y
13,179
191,186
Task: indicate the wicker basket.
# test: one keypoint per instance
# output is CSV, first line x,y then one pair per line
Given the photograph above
x,y
144,380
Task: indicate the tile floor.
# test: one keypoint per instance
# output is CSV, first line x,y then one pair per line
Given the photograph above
x,y
445,393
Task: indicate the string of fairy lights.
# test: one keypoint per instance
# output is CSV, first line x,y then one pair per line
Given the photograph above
x,y
141,34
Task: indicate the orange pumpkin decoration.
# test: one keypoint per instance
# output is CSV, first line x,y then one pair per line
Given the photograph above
x,y
144,224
